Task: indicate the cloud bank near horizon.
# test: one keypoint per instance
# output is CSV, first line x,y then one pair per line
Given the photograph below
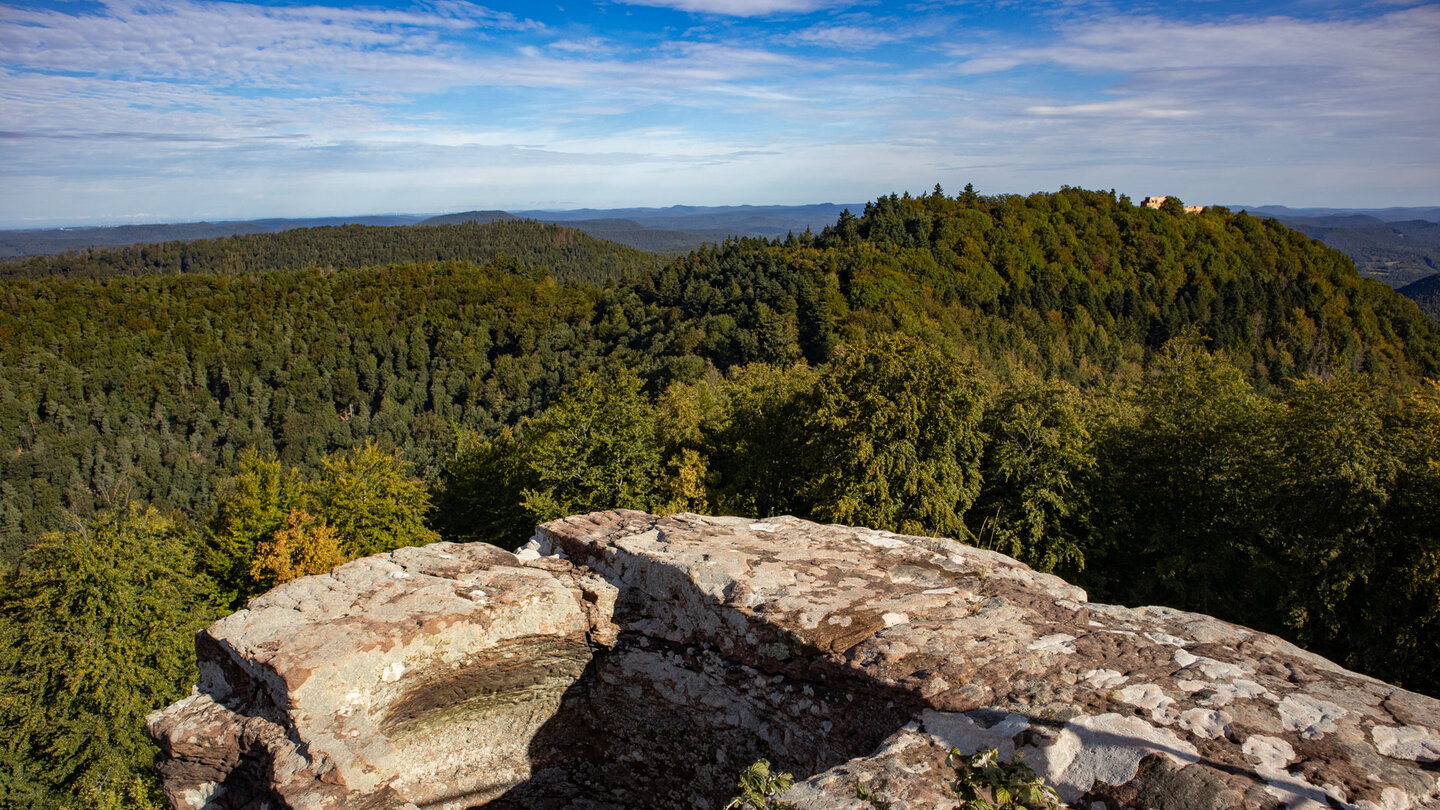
x,y
134,110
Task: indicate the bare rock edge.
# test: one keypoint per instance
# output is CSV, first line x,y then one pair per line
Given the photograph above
x,y
627,660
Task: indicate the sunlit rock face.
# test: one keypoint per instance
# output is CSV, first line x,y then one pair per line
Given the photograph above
x,y
626,660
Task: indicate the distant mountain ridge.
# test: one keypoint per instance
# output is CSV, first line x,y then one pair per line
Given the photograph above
x,y
677,229
757,220
1395,246
1426,293
623,231
1392,214
58,240
564,252
477,217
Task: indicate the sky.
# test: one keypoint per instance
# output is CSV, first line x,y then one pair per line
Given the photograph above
x,y
138,111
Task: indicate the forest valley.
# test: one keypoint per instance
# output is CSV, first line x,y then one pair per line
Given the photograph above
x,y
1208,411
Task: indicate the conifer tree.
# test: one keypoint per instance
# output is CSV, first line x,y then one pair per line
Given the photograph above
x,y
96,631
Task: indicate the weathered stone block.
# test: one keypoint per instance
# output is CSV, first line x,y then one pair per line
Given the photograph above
x,y
627,660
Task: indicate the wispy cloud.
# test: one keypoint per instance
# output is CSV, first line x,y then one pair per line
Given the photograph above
x,y
237,45
741,8
857,33
760,100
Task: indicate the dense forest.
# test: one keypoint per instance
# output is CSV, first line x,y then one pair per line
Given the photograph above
x,y
564,252
1426,295
1205,410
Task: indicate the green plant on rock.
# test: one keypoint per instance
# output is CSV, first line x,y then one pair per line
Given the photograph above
x,y
983,782
761,787
871,798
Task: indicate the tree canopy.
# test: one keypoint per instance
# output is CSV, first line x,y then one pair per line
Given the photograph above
x,y
1203,410
95,632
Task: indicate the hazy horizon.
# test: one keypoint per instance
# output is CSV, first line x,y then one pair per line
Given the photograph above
x,y
420,215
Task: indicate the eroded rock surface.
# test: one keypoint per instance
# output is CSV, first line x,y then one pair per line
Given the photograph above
x,y
626,660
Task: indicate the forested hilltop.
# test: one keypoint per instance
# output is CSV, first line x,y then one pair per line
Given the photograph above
x,y
1205,410
564,252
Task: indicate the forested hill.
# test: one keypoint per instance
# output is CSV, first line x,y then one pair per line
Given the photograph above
x,y
157,380
561,251
1209,411
1426,294
1081,284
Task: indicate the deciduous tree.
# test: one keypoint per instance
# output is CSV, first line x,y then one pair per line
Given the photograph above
x,y
894,438
1039,455
595,449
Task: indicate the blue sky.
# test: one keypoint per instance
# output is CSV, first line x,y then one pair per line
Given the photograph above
x,y
180,110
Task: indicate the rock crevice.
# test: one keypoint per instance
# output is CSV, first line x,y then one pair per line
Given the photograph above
x,y
627,660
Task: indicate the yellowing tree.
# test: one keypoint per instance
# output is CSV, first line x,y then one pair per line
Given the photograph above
x,y
372,500
365,502
253,503
306,545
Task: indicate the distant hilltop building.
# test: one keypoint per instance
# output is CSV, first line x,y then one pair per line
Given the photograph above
x,y
1156,202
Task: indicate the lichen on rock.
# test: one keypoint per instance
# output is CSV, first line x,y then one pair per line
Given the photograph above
x,y
628,660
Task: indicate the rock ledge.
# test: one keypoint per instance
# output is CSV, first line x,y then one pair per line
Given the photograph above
x,y
627,660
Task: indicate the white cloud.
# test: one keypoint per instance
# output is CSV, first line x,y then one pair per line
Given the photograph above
x,y
850,37
1314,82
594,45
300,108
741,8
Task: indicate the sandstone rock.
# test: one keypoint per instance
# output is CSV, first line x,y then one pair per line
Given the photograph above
x,y
384,679
639,661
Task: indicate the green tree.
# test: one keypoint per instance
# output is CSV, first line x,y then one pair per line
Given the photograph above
x,y
758,454
1407,647
686,418
1182,480
252,505
372,501
133,792
1039,455
96,631
1356,524
479,494
894,438
364,498
594,449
